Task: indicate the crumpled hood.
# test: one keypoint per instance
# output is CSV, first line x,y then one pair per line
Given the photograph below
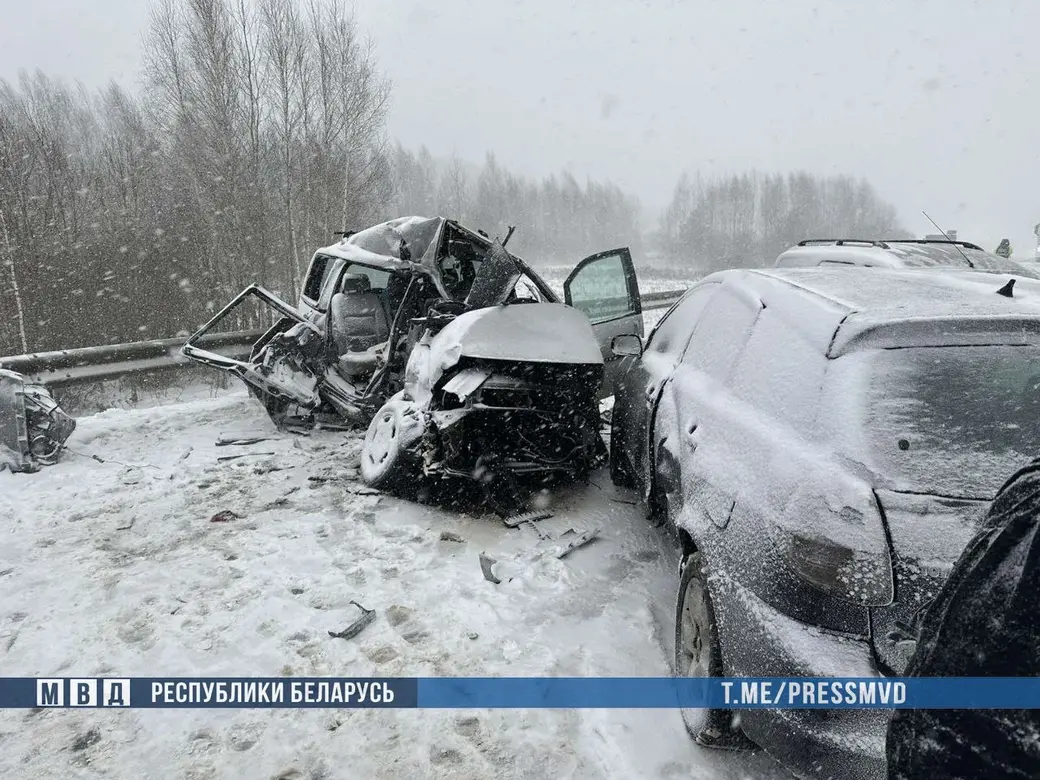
x,y
527,332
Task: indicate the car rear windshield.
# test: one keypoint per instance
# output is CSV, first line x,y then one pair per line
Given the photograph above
x,y
952,421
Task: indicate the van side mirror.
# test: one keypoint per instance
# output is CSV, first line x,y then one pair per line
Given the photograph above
x,y
627,344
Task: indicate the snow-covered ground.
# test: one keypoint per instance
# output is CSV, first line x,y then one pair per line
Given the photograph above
x,y
115,568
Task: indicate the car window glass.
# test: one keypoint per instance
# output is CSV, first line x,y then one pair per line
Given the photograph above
x,y
600,289
779,372
721,333
320,267
526,290
377,279
675,328
948,420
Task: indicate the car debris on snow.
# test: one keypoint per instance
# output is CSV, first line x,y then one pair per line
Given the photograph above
x,y
526,517
33,428
486,564
225,517
577,541
245,455
239,442
355,628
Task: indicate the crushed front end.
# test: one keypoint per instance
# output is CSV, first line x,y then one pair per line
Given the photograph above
x,y
33,428
499,417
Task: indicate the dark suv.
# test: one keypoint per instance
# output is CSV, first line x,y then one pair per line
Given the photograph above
x,y
823,442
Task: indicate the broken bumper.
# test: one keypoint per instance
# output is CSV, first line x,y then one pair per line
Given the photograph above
x,y
760,641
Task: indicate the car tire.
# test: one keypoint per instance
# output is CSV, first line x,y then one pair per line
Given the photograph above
x,y
697,654
387,460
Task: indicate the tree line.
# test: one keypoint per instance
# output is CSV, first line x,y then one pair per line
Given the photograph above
x,y
257,133
746,220
557,219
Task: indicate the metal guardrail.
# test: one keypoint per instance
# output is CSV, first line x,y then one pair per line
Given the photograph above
x,y
112,361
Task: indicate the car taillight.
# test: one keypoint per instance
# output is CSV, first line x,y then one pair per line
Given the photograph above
x,y
835,541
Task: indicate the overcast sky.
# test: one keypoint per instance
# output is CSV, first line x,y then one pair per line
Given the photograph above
x,y
935,101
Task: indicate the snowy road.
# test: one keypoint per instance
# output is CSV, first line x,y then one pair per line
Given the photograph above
x,y
115,568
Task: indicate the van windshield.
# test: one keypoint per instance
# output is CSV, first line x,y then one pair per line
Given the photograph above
x,y
954,421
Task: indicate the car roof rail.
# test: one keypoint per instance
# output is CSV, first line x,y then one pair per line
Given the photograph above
x,y
965,244
843,242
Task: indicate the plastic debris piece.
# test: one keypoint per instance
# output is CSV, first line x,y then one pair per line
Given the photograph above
x,y
240,442
579,541
355,628
485,567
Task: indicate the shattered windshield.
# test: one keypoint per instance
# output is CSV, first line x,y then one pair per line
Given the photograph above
x,y
951,420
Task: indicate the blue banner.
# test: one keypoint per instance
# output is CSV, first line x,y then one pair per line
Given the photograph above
x,y
526,693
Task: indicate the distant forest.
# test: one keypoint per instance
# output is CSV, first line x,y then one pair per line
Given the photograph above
x,y
260,131
747,220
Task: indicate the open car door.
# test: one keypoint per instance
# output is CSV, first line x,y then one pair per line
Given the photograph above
x,y
604,286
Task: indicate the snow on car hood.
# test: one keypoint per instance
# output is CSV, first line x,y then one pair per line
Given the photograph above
x,y
530,332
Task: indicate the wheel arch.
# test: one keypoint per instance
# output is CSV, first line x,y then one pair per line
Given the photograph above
x,y
687,544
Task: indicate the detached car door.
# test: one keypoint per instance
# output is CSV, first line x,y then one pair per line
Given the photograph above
x,y
604,287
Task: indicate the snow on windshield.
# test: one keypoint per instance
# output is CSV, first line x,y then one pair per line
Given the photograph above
x,y
950,420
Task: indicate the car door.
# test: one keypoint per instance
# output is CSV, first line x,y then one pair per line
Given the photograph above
x,y
639,388
690,427
604,286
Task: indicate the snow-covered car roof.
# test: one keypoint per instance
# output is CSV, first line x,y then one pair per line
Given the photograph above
x,y
840,309
898,254
380,246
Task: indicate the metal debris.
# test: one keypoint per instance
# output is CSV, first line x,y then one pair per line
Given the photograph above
x,y
225,517
526,517
245,455
355,628
240,442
